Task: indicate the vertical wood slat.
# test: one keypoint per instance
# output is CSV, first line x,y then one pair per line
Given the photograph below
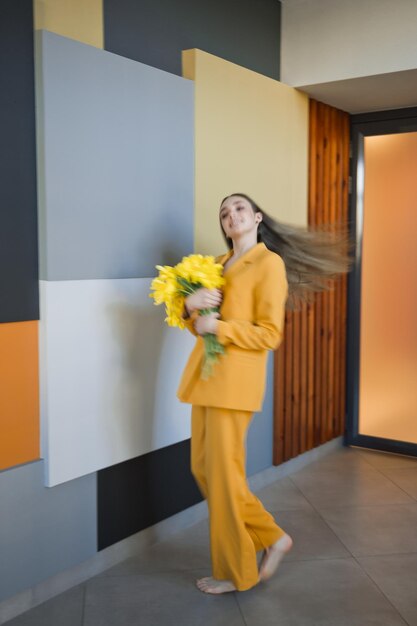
x,y
324,219
304,426
288,387
310,368
296,385
311,309
317,220
330,295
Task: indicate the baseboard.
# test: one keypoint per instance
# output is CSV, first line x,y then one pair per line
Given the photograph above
x,y
132,546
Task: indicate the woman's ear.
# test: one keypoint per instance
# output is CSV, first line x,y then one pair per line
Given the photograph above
x,y
258,217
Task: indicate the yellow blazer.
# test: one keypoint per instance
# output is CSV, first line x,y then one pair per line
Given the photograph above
x,y
252,322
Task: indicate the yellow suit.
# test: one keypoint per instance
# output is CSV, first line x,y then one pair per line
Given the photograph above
x,y
253,313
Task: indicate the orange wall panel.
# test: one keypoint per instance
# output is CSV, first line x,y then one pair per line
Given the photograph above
x,y
19,393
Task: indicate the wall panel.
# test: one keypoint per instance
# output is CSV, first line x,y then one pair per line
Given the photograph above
x,y
332,40
115,166
110,368
43,531
251,136
77,19
156,32
260,431
19,299
19,393
143,491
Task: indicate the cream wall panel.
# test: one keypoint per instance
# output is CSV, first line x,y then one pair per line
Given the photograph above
x,y
77,19
330,40
251,135
110,368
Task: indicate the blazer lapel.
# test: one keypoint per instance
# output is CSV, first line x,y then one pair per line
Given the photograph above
x,y
246,259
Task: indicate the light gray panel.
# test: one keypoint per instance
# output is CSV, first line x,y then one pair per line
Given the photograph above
x,y
43,530
109,381
260,433
115,163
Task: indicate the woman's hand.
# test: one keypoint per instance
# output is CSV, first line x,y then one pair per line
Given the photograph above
x,y
206,323
203,299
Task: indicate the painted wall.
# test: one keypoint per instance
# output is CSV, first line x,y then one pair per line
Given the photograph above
x,y
328,40
19,301
155,33
98,338
81,20
251,136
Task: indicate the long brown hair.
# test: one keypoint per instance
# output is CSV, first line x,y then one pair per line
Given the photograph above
x,y
312,255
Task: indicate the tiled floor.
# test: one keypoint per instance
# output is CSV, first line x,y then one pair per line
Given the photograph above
x,y
353,518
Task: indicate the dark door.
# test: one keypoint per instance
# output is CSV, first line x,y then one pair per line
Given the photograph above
x,y
382,289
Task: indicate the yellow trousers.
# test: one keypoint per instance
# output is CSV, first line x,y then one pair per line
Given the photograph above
x,y
239,524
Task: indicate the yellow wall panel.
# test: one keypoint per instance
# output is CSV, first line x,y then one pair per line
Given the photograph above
x,y
19,393
251,136
77,19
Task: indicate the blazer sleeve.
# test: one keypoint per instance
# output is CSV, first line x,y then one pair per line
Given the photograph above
x,y
267,330
189,321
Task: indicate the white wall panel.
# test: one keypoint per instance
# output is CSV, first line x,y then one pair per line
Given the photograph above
x,y
109,372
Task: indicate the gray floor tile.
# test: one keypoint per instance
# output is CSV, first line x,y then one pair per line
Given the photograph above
x,y
345,458
396,576
335,592
325,488
188,549
159,599
373,530
404,477
66,609
312,537
282,495
386,459
352,501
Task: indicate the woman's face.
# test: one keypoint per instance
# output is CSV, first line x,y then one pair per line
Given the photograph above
x,y
237,217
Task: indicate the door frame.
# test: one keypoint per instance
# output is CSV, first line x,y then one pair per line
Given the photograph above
x,y
364,125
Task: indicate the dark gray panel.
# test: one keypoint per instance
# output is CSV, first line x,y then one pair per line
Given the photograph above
x,y
116,163
19,299
246,32
143,491
43,530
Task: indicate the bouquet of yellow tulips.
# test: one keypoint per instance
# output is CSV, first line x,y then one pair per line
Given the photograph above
x,y
174,284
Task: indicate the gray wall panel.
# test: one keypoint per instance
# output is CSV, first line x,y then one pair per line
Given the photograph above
x,y
116,163
43,530
260,432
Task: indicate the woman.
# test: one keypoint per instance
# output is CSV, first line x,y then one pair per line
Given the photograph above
x,y
259,269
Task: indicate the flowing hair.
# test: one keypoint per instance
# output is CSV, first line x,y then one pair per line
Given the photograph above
x,y
312,256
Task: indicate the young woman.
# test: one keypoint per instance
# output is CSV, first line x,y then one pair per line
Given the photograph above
x,y
268,264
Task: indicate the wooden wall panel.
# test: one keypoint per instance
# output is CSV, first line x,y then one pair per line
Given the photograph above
x,y
310,368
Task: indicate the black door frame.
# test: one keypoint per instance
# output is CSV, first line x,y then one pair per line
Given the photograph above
x,y
361,126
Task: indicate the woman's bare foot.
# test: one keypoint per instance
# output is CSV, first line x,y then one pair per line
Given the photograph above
x,y
273,555
211,585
